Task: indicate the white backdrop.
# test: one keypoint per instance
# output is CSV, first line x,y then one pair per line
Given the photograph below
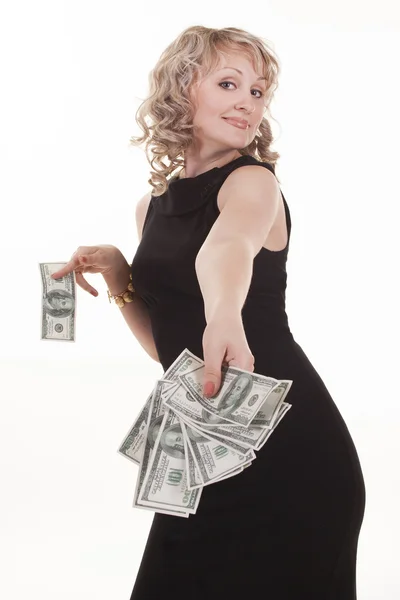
x,y
72,74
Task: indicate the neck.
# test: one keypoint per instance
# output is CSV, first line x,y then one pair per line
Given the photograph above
x,y
195,166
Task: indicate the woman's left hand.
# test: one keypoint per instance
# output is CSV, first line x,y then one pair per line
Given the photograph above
x,y
224,341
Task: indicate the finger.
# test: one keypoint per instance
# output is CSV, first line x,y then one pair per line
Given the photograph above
x,y
81,281
73,264
212,372
246,363
251,364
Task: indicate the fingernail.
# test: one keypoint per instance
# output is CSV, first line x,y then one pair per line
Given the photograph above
x,y
209,389
94,293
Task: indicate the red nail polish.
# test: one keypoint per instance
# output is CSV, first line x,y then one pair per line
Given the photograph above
x,y
209,389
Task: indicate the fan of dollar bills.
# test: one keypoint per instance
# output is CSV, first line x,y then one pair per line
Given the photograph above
x,y
182,440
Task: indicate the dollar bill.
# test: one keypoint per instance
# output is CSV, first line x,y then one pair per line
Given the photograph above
x,y
252,437
58,304
285,407
240,397
231,436
194,477
213,459
153,422
186,362
269,411
193,473
166,483
132,444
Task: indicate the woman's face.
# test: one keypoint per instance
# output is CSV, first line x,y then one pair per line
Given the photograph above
x,y
227,93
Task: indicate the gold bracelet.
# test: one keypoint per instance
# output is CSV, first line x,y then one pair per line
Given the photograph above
x,y
125,297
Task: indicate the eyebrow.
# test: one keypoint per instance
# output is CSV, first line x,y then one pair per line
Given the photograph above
x,y
241,72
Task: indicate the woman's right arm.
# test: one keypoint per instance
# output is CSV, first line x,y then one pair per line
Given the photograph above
x,y
135,313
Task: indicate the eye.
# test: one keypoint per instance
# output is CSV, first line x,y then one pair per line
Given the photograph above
x,y
227,82
231,82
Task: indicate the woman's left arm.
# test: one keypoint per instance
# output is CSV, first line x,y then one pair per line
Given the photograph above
x,y
224,266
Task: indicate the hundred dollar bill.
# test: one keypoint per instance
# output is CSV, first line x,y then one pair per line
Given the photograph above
x,y
240,397
269,411
218,479
237,434
194,479
192,468
166,481
231,436
186,362
285,407
214,460
193,473
58,304
255,433
132,444
152,427
237,437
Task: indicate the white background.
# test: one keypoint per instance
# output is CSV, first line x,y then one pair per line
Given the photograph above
x,y
72,76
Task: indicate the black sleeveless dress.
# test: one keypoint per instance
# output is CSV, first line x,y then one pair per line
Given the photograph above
x,y
287,527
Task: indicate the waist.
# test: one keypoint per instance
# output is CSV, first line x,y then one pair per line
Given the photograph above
x,y
257,315
181,325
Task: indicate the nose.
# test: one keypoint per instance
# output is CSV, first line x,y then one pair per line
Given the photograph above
x,y
247,104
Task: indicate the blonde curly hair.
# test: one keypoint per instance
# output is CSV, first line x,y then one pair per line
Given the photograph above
x,y
169,108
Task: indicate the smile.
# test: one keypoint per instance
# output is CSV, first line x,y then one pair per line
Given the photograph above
x,y
236,124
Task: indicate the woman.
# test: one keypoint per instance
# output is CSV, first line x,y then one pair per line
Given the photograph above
x,y
209,274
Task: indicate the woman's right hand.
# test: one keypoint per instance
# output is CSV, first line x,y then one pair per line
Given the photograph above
x,y
91,259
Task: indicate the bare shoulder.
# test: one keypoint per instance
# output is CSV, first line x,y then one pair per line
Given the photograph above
x,y
251,180
140,213
250,197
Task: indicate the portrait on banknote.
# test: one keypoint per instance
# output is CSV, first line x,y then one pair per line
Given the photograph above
x,y
58,303
154,428
172,442
235,395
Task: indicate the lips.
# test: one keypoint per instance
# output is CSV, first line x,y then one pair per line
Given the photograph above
x,y
240,123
